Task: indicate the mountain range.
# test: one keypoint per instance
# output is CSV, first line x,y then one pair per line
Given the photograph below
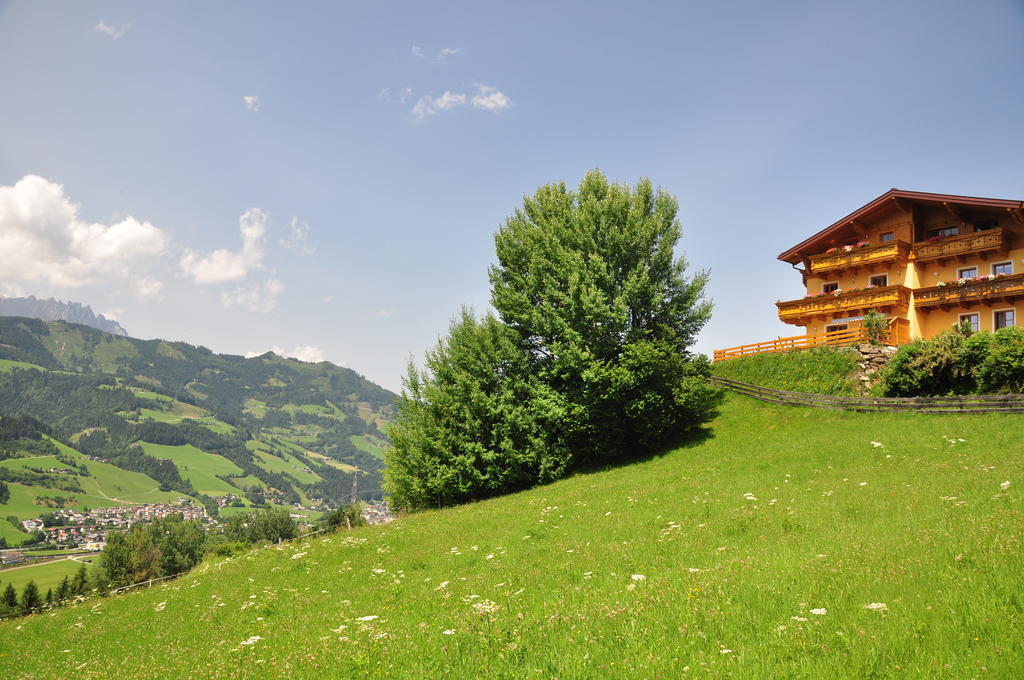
x,y
57,310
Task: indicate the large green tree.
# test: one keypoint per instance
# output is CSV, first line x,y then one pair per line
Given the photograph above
x,y
586,362
590,281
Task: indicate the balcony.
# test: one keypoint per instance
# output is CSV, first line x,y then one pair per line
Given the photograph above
x,y
982,243
848,303
866,256
993,290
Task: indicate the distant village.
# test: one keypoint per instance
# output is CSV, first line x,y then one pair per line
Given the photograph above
x,y
87,530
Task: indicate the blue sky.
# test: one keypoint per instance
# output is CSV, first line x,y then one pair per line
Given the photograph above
x,y
370,150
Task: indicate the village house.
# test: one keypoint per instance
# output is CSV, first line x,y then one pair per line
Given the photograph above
x,y
924,261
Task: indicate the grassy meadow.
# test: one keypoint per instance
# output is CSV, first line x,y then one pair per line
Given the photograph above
x,y
198,467
46,575
823,370
787,543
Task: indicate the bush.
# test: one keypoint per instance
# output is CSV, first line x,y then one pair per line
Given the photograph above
x,y
959,362
931,367
1002,369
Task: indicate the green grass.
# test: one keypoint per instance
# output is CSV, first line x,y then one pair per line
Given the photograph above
x,y
823,370
648,570
289,464
367,444
198,467
146,394
13,536
10,365
174,412
46,575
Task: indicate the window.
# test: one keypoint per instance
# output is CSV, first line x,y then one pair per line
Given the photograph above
x,y
967,273
887,236
880,281
836,328
944,231
985,225
830,287
1002,268
973,319
1004,318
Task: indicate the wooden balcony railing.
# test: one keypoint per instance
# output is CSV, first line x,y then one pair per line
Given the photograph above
x,y
972,291
979,243
897,334
796,311
891,251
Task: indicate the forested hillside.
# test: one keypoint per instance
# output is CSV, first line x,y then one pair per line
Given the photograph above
x,y
266,430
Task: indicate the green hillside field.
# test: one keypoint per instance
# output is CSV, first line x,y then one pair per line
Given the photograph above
x,y
786,543
198,467
106,486
46,575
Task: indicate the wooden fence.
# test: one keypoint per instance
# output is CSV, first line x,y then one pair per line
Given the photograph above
x,y
968,403
898,333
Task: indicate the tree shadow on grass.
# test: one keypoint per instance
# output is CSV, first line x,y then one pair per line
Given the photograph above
x,y
689,440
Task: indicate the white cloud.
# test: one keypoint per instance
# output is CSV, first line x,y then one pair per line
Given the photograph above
x,y
252,103
148,288
384,312
428,106
490,99
447,52
384,94
307,353
225,265
328,299
486,98
43,240
418,52
298,238
256,297
302,353
114,32
405,95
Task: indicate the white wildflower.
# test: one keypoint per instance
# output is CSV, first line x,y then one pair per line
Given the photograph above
x,y
1005,485
252,640
298,555
160,607
863,483
448,632
442,585
876,606
637,577
750,497
485,607
371,617
876,444
725,651
820,611
798,618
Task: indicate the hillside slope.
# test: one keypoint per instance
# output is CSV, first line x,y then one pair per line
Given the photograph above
x,y
263,429
785,544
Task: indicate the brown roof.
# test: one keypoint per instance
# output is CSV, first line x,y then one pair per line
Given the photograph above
x,y
793,254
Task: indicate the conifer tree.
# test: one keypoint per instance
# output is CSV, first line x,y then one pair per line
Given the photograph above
x,y
64,590
10,599
30,601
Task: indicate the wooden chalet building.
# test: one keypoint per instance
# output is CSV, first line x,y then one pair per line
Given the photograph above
x,y
926,261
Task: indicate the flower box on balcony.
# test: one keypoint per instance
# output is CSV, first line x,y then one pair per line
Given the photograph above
x,y
863,254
